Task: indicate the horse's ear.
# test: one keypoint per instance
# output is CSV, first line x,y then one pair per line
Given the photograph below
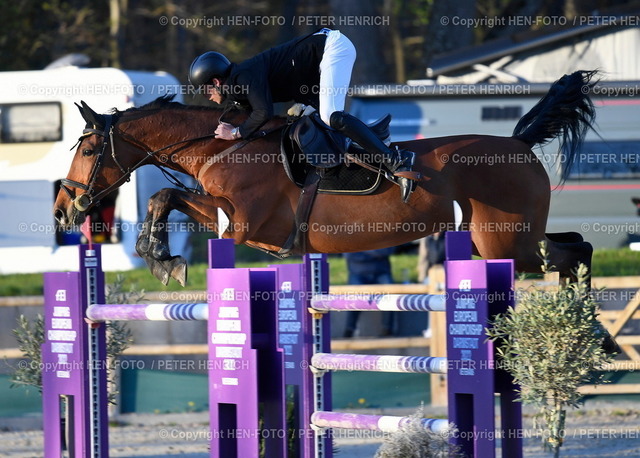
x,y
82,113
91,116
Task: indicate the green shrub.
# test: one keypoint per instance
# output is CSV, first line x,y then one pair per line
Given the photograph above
x,y
414,441
552,342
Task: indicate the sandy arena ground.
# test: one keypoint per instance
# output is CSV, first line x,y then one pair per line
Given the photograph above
x,y
596,430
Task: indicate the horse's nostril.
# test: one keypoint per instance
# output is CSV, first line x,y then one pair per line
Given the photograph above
x,y
58,215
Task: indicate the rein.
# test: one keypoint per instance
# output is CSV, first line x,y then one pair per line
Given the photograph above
x,y
127,173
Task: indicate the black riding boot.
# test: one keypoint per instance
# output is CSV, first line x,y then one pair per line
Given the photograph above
x,y
398,162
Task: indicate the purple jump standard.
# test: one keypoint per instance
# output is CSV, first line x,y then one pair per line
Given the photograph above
x,y
476,290
246,368
246,376
74,381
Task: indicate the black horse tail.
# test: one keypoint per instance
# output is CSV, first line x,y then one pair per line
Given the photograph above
x,y
566,112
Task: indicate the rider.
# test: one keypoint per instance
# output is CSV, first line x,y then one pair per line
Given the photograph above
x,y
314,70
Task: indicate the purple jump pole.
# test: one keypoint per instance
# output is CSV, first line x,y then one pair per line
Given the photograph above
x,y
246,374
500,282
73,356
383,423
384,302
380,363
148,312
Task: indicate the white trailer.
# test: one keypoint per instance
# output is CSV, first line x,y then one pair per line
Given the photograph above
x,y
39,123
595,201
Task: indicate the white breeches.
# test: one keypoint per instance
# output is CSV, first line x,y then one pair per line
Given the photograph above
x,y
335,73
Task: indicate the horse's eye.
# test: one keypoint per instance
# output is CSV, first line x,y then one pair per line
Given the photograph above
x,y
87,152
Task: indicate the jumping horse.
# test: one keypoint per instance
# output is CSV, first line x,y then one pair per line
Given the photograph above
x,y
501,187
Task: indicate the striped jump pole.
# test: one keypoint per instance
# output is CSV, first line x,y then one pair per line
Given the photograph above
x,y
383,302
384,423
380,363
148,312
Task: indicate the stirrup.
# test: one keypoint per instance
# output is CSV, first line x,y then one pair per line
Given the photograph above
x,y
407,187
405,177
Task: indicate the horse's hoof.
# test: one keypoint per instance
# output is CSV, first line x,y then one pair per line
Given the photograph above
x,y
159,271
179,270
610,346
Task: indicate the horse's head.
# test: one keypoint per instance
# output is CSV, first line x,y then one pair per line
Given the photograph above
x,y
94,172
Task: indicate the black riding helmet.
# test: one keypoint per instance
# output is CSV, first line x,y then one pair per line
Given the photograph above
x,y
208,66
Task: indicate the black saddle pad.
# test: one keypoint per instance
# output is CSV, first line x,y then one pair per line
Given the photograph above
x,y
349,179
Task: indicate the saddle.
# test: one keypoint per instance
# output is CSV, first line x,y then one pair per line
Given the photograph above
x,y
314,158
308,144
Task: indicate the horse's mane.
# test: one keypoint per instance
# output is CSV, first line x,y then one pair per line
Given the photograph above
x,y
166,102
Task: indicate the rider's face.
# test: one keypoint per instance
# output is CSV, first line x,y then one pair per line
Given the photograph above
x,y
213,91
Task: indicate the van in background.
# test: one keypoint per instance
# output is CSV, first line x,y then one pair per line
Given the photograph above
x,y
39,124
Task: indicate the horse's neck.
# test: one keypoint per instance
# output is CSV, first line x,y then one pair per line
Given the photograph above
x,y
168,144
168,127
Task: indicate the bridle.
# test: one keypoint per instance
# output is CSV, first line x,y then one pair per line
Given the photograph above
x,y
84,201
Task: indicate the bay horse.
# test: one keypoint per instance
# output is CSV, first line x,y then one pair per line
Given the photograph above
x,y
501,187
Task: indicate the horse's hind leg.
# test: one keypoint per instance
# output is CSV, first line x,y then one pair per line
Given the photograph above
x,y
572,255
565,237
566,250
569,250
567,256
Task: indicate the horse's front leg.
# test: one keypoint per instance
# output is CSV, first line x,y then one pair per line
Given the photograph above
x,y
153,240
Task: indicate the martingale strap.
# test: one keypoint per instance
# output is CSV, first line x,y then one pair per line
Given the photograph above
x,y
296,243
